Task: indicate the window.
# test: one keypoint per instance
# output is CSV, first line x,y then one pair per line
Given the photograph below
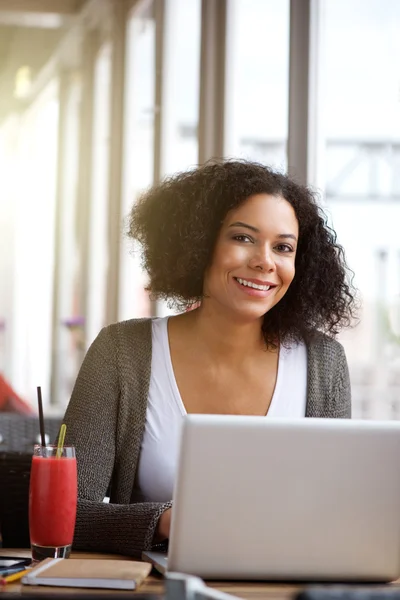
x,y
257,88
67,349
139,149
98,235
32,278
181,85
361,129
181,89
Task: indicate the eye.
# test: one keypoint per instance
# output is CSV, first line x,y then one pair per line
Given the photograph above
x,y
242,238
284,248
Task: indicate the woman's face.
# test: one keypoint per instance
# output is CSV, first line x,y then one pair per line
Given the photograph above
x,y
253,261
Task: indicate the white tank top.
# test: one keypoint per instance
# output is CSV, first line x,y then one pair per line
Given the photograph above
x,y
165,409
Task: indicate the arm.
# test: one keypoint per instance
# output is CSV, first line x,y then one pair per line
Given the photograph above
x,y
92,419
343,387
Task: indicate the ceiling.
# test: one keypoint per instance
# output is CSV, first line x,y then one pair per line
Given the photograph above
x,y
30,30
61,7
6,35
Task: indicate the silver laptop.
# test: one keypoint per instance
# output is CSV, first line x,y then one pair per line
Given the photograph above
x,y
308,499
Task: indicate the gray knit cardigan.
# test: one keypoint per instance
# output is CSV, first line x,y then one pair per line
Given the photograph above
x,y
105,421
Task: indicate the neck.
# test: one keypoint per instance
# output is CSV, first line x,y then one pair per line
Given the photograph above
x,y
222,335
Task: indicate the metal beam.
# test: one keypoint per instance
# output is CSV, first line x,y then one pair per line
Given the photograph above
x,y
159,9
118,39
159,14
298,143
306,145
212,79
63,94
89,51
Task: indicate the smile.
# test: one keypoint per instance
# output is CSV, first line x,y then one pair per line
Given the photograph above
x,y
255,286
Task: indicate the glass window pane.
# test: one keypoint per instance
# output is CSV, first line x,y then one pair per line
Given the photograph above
x,y
181,90
257,83
33,268
98,234
181,84
361,126
67,355
139,150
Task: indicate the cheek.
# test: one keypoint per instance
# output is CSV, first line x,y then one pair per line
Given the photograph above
x,y
287,271
228,257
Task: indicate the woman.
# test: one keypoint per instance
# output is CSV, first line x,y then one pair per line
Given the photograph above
x,y
248,250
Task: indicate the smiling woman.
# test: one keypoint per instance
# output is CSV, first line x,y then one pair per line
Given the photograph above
x,y
251,250
181,225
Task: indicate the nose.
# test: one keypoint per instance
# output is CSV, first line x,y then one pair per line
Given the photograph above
x,y
263,259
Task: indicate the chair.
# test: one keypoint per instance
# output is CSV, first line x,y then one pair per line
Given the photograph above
x,y
15,468
19,433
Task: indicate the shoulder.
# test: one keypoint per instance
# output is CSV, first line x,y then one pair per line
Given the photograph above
x,y
125,341
126,332
320,349
136,326
324,348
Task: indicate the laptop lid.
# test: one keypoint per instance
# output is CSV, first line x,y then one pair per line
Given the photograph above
x,y
311,499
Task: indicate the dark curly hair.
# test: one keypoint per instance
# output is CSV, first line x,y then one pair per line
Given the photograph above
x,y
177,224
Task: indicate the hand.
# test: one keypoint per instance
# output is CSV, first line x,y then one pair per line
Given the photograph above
x,y
163,526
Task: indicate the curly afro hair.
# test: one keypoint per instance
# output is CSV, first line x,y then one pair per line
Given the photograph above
x,y
177,224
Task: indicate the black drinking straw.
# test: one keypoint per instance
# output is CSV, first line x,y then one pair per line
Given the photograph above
x,y
41,420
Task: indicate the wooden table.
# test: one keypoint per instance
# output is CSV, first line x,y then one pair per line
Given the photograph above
x,y
153,584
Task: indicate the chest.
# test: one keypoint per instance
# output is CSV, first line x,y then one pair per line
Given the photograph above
x,y
218,388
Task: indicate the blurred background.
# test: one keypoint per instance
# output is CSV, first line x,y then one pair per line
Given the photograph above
x,y
101,98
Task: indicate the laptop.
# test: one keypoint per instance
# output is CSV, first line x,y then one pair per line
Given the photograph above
x,y
269,499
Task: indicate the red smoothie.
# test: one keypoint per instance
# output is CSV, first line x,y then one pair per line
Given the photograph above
x,y
52,501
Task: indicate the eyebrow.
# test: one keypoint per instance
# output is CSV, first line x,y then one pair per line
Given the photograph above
x,y
281,236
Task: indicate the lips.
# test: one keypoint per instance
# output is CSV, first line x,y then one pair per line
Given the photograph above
x,y
255,287
255,283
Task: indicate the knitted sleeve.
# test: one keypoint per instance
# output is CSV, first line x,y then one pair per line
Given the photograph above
x,y
342,387
91,419
329,392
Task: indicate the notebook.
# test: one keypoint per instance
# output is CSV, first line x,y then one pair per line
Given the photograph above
x,y
89,573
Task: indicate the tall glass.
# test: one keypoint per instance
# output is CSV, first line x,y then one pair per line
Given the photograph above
x,y
52,501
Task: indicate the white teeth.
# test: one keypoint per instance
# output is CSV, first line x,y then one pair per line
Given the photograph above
x,y
244,282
